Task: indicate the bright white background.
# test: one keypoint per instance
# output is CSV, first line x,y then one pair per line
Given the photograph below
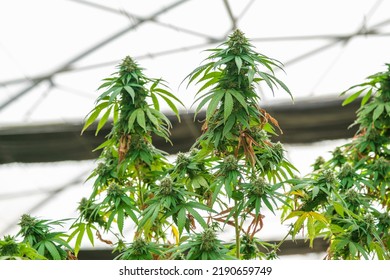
x,y
38,38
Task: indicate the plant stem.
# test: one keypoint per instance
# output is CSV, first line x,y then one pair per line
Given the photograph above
x,y
238,230
140,194
281,241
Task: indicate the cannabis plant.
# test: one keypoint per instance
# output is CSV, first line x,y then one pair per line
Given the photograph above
x,y
11,249
132,180
39,242
347,198
232,172
245,168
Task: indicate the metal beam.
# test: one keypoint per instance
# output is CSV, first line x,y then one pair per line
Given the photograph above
x,y
288,248
86,52
305,121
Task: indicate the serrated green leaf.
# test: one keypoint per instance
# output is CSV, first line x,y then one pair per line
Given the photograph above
x,y
352,248
208,84
73,234
316,190
152,118
202,103
283,85
377,112
298,224
229,125
197,216
319,217
214,103
238,96
156,104
130,91
79,239
52,250
251,75
211,75
339,208
265,77
257,206
169,94
104,95
223,61
115,94
160,115
181,219
310,230
172,106
106,84
199,70
116,113
90,120
141,118
268,204
362,250
103,120
120,219
90,234
387,106
228,105
198,205
238,61
352,97
366,97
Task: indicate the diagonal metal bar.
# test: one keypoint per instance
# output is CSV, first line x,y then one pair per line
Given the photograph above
x,y
362,31
333,37
192,47
89,51
77,180
316,37
231,15
189,48
155,20
245,10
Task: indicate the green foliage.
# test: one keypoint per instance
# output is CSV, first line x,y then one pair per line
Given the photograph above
x,y
10,249
247,167
232,172
132,178
139,250
201,246
231,175
347,198
39,241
